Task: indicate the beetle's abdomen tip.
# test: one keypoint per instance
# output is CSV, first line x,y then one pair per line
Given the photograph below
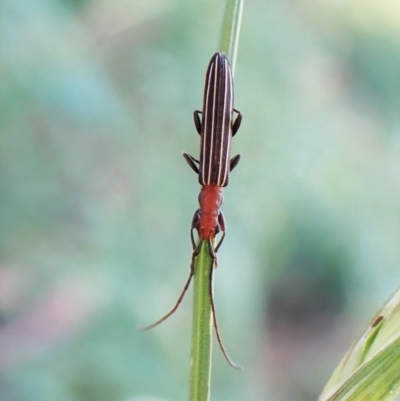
x,y
219,57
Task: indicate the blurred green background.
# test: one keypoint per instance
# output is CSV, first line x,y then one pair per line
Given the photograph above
x,y
96,201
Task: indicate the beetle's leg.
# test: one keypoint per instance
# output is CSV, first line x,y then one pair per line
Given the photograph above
x,y
237,122
212,253
234,162
195,253
222,227
197,121
192,162
195,225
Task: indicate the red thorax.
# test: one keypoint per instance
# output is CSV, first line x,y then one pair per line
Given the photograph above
x,y
210,200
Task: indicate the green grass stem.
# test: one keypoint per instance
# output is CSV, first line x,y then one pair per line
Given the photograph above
x,y
229,39
200,370
200,374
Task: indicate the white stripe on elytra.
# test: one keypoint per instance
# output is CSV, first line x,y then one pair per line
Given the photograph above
x,y
222,166
211,154
204,121
230,110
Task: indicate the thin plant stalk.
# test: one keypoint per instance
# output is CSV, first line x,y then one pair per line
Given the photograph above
x,y
229,39
200,369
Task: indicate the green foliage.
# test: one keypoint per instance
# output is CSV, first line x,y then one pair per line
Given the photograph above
x,y
370,369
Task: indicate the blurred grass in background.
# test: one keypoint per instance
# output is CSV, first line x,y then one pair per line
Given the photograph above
x,y
96,201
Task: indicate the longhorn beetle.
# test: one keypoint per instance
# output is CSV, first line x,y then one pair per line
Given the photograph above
x,y
216,128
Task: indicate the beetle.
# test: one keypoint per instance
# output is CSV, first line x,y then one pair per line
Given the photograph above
x,y
216,127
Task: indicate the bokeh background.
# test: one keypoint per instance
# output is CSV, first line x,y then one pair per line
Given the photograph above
x,y
96,201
